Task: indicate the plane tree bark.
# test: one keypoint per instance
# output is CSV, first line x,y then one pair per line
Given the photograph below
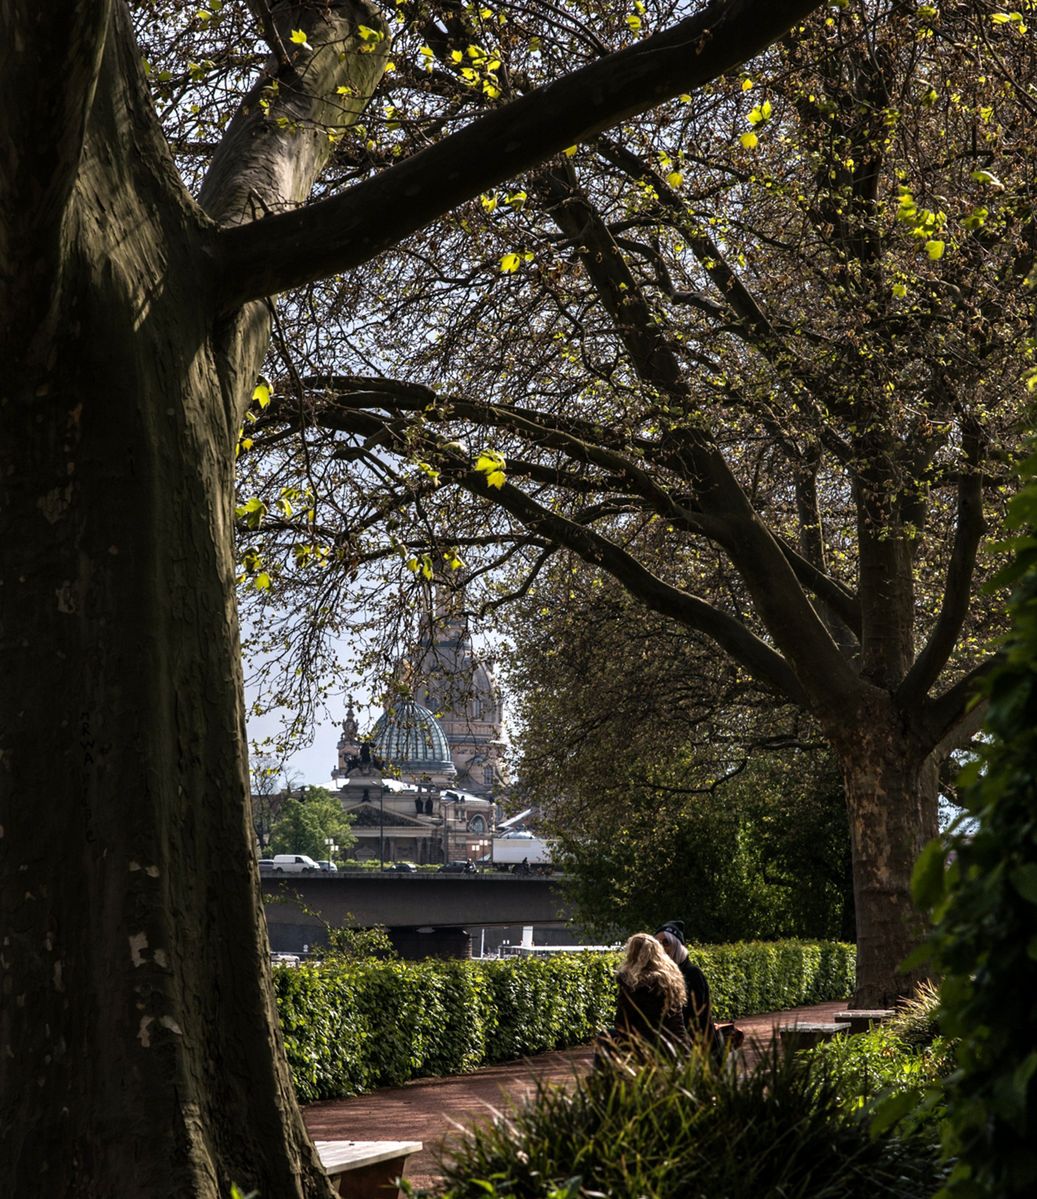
x,y
141,1050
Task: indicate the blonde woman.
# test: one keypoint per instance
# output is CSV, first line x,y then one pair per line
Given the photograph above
x,y
650,1004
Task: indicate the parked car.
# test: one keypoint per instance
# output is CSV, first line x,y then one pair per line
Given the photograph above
x,y
327,867
457,868
294,863
266,865
402,867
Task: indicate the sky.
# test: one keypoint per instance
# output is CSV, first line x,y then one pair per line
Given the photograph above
x,y
312,764
315,762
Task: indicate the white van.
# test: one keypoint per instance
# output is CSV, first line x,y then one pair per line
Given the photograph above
x,y
294,863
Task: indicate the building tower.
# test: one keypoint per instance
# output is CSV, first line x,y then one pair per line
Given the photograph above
x,y
458,686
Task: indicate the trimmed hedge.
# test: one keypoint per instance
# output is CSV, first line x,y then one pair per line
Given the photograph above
x,y
354,1026
757,976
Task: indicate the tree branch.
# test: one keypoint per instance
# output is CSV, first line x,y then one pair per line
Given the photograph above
x,y
940,717
957,588
839,598
587,444
763,662
262,258
689,449
263,166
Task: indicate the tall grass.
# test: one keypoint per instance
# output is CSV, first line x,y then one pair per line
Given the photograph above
x,y
680,1129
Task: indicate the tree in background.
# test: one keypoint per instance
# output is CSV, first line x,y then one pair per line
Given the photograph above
x,y
270,788
156,171
308,821
674,789
758,360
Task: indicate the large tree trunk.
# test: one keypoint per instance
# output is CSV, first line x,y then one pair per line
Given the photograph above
x,y
133,942
126,872
891,798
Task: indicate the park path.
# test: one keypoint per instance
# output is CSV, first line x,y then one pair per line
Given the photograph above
x,y
431,1109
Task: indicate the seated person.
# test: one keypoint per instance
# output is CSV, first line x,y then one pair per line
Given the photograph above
x,y
651,998
698,1015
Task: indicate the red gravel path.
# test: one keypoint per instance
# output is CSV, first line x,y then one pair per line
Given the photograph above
x,y
431,1109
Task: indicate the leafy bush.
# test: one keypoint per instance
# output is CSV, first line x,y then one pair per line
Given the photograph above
x,y
894,1082
985,906
757,976
683,1129
916,1019
349,1026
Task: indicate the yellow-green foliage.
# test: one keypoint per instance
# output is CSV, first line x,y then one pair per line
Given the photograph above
x,y
353,1026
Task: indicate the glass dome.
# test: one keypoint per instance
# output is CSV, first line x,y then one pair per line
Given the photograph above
x,y
408,737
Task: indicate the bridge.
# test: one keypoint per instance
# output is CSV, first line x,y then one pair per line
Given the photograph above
x,y
427,913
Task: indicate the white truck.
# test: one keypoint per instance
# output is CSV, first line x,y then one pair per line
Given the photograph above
x,y
510,850
294,863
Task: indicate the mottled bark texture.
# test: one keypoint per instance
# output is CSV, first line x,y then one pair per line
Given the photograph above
x,y
140,1043
140,1047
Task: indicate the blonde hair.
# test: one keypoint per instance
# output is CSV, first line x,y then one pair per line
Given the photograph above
x,y
646,965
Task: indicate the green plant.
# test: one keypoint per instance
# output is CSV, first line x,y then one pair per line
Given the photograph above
x,y
681,1128
350,942
985,909
894,1082
916,1019
305,823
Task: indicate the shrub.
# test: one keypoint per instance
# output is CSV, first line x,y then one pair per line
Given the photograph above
x,y
683,1129
894,1082
985,909
753,977
351,1025
916,1019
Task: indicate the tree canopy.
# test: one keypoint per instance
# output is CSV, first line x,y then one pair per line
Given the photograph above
x,y
756,356
673,790
309,823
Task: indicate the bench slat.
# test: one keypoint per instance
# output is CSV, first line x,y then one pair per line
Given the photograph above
x,y
336,1156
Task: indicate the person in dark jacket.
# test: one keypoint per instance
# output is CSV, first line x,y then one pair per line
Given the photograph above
x,y
650,1001
698,1013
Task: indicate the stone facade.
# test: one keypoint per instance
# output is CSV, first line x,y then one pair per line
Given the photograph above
x,y
396,787
458,686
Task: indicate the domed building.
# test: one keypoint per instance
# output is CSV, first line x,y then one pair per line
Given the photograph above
x,y
397,785
409,738
457,684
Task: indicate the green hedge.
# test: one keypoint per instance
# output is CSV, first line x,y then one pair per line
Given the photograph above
x,y
757,976
355,1026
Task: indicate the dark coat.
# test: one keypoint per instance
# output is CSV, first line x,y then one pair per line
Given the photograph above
x,y
639,1013
698,1011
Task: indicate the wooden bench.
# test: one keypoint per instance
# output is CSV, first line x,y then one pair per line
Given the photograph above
x,y
861,1019
366,1169
806,1036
